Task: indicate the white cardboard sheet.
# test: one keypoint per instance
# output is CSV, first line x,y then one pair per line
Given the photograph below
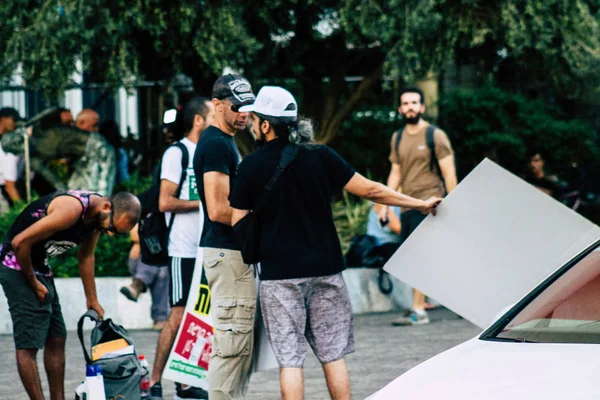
x,y
495,237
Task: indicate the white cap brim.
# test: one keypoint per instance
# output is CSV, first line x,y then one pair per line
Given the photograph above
x,y
273,101
248,108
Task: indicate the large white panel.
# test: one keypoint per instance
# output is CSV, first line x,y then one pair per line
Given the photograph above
x,y
495,238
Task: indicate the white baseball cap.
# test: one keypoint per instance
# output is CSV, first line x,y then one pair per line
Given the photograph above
x,y
273,101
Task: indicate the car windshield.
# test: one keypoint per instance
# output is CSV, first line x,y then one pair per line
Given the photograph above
x,y
566,311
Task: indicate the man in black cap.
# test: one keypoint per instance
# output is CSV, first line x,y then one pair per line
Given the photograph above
x,y
231,281
9,163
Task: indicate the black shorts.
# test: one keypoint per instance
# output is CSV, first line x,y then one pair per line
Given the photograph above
x,y
181,272
34,322
410,220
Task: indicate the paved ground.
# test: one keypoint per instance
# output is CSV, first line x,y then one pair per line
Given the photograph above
x,y
383,352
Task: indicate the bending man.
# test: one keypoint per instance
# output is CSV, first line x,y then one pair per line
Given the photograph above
x,y
48,227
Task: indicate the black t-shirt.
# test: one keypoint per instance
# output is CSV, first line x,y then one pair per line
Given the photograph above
x,y
298,235
216,152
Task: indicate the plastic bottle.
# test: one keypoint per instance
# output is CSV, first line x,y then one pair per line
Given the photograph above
x,y
80,392
145,381
94,383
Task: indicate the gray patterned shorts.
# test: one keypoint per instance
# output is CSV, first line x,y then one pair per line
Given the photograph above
x,y
316,311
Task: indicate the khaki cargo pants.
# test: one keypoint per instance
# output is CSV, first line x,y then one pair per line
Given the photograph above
x,y
233,306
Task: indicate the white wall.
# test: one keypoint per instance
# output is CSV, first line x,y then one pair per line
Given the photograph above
x,y
15,98
74,97
127,112
361,282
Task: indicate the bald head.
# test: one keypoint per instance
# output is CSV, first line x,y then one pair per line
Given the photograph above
x,y
126,208
87,120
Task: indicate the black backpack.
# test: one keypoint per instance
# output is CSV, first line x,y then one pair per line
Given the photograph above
x,y
433,161
153,229
364,252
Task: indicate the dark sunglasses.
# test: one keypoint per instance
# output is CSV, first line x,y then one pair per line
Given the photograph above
x,y
234,107
111,228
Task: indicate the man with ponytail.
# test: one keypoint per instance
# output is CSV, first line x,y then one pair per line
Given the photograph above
x,y
303,296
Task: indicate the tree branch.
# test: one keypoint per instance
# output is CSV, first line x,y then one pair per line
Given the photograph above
x,y
329,129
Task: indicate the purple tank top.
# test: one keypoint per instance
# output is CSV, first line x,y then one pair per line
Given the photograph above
x,y
56,244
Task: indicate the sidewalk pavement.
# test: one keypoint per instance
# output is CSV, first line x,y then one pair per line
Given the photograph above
x,y
383,352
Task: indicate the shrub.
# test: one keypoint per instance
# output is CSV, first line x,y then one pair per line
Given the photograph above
x,y
350,215
7,219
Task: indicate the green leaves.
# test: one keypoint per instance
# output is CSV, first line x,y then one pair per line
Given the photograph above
x,y
490,122
549,44
119,41
563,34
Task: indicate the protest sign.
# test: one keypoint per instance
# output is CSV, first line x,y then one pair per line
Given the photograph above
x,y
190,355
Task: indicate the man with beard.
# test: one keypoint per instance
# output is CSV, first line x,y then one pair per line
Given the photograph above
x,y
422,167
48,227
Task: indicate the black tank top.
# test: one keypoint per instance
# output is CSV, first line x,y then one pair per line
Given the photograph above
x,y
56,244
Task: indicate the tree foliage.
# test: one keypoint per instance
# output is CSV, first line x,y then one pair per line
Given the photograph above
x,y
490,122
310,46
554,41
120,42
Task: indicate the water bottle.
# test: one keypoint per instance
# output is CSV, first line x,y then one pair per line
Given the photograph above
x,y
80,392
145,381
94,383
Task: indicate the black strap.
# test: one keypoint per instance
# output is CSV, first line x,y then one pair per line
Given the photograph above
x,y
431,146
433,161
398,139
289,154
185,159
93,315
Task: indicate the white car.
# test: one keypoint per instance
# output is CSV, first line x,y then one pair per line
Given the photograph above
x,y
547,346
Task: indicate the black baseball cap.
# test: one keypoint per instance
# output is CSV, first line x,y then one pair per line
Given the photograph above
x,y
234,88
10,112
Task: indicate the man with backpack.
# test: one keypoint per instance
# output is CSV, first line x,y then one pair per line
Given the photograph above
x,y
422,166
180,203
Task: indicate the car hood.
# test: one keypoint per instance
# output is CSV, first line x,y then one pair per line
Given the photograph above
x,y
491,370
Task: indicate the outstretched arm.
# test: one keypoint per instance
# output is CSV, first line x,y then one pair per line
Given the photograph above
x,y
378,193
393,183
